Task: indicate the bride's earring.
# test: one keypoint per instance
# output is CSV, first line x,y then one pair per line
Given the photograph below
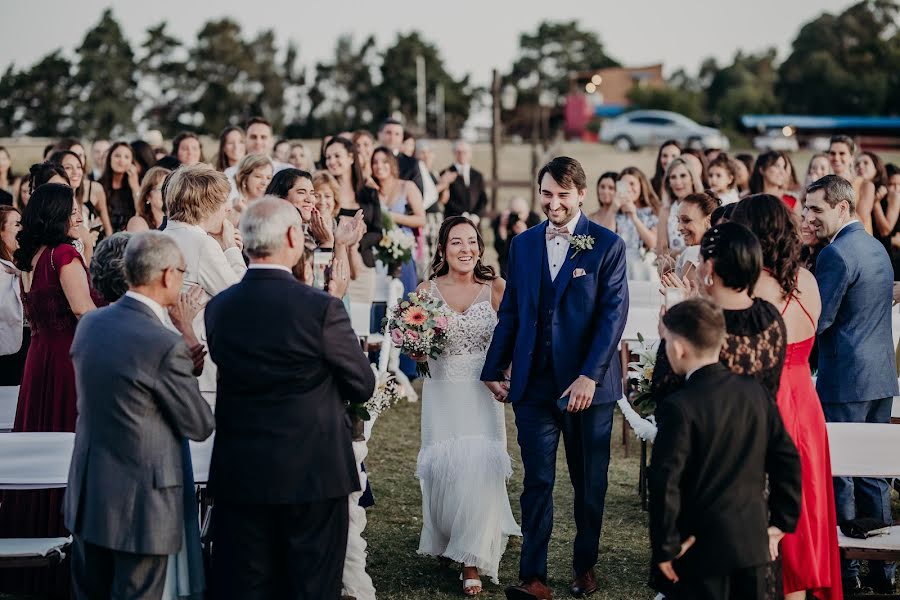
x,y
707,280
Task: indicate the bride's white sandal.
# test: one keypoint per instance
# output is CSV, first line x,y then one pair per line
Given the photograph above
x,y
471,587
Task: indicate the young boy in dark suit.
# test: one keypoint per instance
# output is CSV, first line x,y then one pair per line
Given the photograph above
x,y
712,531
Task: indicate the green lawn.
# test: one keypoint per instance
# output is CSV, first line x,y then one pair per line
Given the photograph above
x,y
395,521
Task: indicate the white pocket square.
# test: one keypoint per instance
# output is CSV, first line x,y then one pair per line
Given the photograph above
x,y
578,273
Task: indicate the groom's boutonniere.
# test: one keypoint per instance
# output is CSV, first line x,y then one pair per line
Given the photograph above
x,y
581,242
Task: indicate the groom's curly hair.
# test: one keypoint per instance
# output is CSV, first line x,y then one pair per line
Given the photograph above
x,y
565,171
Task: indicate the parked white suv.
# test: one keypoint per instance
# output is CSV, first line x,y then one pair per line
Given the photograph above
x,y
639,128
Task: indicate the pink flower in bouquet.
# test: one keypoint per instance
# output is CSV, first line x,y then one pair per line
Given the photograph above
x,y
415,315
396,336
412,335
441,322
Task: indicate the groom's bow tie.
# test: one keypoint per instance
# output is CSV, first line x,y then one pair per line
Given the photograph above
x,y
554,232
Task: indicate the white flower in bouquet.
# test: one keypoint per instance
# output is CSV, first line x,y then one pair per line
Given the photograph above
x,y
388,392
641,372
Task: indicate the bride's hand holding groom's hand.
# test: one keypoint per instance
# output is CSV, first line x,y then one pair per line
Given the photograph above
x,y
500,389
580,393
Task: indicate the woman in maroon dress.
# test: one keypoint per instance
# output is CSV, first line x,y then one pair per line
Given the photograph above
x,y
55,292
810,559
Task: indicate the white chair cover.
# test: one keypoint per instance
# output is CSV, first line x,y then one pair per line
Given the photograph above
x,y
644,294
864,449
361,318
201,454
9,398
642,320
890,541
33,547
31,461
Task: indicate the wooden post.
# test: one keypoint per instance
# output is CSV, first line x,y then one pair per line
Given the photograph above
x,y
495,140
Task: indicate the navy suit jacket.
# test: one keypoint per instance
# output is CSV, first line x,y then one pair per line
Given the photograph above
x,y
588,320
856,348
288,362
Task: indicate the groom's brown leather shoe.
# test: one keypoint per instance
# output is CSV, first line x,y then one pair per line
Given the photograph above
x,y
584,584
529,589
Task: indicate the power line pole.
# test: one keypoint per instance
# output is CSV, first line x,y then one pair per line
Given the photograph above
x,y
495,139
420,94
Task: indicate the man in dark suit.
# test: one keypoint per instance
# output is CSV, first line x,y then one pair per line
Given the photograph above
x,y
466,193
282,463
137,399
857,377
560,323
712,532
390,135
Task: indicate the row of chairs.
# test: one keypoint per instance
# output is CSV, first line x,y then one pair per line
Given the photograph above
x,y
35,461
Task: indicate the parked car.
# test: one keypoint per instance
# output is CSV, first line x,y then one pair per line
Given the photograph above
x,y
639,128
775,139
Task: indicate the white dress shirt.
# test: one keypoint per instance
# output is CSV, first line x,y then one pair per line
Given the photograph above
x,y
269,266
429,190
850,222
463,171
558,247
12,319
155,306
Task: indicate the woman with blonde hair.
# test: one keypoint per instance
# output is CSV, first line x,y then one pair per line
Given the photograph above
x,y
253,175
680,182
151,204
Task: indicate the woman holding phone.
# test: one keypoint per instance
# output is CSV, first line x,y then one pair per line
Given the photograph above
x,y
637,220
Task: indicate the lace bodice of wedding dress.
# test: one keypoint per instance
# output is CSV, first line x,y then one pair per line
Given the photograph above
x,y
469,336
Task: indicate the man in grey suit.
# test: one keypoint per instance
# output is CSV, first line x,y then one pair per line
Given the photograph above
x,y
137,399
857,376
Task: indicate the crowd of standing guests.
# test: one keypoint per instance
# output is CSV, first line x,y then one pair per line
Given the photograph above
x,y
202,247
67,233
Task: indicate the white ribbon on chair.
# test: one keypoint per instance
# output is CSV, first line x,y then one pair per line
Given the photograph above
x,y
643,428
389,358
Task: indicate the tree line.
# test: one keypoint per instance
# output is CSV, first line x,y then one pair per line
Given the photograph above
x,y
839,64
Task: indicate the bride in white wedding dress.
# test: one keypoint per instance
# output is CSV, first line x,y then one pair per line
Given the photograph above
x,y
463,464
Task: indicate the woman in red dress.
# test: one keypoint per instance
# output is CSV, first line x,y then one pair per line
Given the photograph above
x,y
56,291
810,558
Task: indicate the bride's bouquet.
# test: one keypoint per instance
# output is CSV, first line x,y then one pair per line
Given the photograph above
x,y
418,326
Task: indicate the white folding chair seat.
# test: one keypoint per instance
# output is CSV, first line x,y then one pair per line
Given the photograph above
x,y
30,461
866,450
9,398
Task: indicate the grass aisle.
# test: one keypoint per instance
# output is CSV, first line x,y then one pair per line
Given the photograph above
x,y
395,521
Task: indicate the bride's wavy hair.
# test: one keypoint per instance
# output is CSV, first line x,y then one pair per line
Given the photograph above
x,y
439,264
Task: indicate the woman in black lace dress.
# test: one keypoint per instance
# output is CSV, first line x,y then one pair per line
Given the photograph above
x,y
757,338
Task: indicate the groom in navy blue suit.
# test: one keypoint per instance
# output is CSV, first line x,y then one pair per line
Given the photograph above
x,y
560,324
